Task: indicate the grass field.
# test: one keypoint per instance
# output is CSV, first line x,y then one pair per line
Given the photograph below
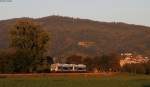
x,y
124,80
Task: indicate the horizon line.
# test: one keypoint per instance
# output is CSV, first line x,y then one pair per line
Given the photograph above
x,y
75,17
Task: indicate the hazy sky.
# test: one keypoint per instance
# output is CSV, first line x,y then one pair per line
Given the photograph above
x,y
129,11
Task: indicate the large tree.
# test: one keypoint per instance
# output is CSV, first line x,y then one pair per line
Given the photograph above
x,y
89,62
107,62
30,40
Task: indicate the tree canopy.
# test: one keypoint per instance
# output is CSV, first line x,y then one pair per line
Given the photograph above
x,y
30,40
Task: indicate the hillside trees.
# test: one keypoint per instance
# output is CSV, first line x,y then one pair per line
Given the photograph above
x,y
30,41
107,62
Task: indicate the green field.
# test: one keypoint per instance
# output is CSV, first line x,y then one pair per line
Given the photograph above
x,y
79,81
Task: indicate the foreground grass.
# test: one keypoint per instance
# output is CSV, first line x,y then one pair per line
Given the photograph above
x,y
81,81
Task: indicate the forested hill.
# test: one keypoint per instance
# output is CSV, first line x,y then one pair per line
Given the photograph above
x,y
87,37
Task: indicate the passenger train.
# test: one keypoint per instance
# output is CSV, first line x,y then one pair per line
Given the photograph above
x,y
68,67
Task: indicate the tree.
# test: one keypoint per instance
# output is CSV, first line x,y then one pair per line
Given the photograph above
x,y
134,68
89,63
107,62
114,62
97,65
147,67
22,62
50,60
6,61
30,41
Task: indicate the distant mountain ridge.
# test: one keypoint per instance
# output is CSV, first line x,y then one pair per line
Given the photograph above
x,y
87,37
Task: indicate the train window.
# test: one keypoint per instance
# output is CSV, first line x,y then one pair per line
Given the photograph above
x,y
70,68
65,68
81,68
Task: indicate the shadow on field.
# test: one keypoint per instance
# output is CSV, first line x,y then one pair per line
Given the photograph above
x,y
2,76
146,85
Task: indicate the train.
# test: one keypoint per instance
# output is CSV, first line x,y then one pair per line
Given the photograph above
x,y
68,67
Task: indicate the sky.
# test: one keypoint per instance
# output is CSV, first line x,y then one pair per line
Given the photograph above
x,y
128,11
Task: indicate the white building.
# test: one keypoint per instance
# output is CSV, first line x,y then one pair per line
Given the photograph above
x,y
68,67
129,58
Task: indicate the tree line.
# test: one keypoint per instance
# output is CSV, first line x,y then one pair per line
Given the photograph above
x,y
109,63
